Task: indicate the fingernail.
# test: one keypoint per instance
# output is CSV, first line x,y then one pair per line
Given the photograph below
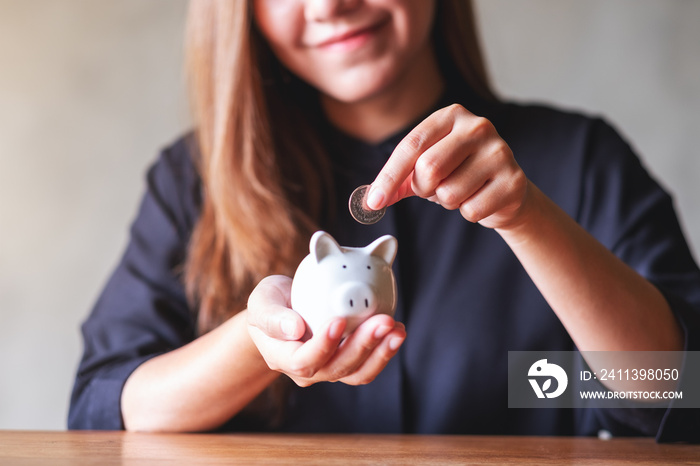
x,y
336,329
375,198
381,332
289,327
394,343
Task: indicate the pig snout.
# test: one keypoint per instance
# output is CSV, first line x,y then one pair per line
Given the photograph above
x,y
354,298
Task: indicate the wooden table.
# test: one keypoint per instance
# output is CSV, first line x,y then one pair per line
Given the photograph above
x,y
107,448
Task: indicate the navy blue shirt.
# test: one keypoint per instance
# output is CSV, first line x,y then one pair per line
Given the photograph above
x,y
464,297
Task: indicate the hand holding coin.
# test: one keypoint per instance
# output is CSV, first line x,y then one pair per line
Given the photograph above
x,y
359,209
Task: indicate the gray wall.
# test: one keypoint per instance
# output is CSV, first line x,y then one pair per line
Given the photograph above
x,y
90,90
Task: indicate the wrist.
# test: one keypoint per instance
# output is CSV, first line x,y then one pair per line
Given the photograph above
x,y
529,218
239,332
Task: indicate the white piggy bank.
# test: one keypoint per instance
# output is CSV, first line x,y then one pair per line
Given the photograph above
x,y
334,281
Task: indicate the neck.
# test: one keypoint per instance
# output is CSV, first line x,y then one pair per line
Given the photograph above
x,y
385,113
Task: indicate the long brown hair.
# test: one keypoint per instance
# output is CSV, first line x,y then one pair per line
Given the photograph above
x,y
262,169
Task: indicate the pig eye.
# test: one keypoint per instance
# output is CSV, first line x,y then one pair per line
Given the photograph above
x,y
369,268
345,266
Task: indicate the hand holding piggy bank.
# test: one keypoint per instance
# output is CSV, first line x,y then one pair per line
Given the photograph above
x,y
334,281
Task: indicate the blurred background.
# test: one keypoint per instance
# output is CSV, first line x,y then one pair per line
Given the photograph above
x,y
90,91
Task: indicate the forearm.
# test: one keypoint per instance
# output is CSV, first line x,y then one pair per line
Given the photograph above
x,y
199,386
604,304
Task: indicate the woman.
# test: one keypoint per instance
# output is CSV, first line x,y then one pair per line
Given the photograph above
x,y
545,233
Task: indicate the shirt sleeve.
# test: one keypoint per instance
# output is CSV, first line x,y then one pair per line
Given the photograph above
x,y
634,217
142,312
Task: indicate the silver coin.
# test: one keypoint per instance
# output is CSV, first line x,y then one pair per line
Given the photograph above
x,y
359,209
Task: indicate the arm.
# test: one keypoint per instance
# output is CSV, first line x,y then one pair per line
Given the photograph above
x,y
143,367
198,386
459,161
206,382
602,302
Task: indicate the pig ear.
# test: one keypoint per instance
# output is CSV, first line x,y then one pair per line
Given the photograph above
x,y
322,245
384,248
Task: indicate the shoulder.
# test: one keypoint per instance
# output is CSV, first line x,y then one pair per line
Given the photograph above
x,y
543,125
546,126
555,137
585,164
568,154
589,145
177,162
174,183
542,134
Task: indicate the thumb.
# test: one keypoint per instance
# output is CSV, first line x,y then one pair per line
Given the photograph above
x,y
380,194
268,309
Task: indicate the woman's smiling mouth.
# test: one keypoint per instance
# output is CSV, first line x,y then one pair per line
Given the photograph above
x,y
351,39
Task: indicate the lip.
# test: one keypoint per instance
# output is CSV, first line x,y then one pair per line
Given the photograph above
x,y
350,36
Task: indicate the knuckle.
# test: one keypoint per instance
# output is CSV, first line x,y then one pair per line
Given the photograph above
x,y
336,374
365,380
359,379
413,141
429,170
448,199
302,382
455,111
518,181
481,127
299,370
470,212
502,152
367,346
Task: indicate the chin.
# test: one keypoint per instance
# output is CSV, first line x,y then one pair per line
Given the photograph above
x,y
351,96
357,89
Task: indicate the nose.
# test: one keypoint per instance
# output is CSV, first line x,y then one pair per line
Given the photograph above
x,y
355,298
323,10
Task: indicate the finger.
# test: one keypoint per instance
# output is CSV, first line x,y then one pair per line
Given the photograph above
x,y
310,357
357,347
268,309
437,163
379,358
462,183
488,161
404,191
400,165
497,203
275,352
